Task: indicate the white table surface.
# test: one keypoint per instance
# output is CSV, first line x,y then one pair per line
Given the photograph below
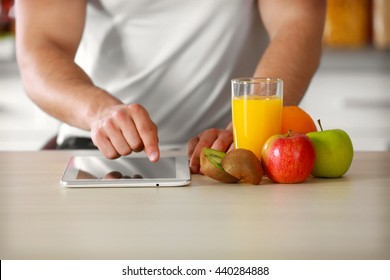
x,y
346,218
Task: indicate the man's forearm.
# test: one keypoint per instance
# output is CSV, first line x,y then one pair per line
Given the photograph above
x,y
47,41
61,88
295,65
295,29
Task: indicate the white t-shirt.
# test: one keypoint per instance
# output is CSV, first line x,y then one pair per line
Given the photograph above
x,y
174,57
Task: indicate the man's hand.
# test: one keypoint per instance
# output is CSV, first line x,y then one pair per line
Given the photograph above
x,y
219,139
123,129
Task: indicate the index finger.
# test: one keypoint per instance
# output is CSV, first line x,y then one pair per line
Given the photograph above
x,y
147,131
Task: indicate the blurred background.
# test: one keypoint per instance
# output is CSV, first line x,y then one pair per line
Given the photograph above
x,y
351,89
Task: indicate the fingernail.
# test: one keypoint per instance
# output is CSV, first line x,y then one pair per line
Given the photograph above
x,y
153,156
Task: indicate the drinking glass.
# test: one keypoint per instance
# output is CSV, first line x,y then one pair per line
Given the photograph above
x,y
256,111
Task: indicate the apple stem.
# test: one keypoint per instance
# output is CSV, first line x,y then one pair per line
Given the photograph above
x,y
288,133
319,123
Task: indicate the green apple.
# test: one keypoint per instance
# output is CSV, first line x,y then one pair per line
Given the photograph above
x,y
334,152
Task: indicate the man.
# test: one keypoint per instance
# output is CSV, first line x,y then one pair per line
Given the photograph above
x,y
135,74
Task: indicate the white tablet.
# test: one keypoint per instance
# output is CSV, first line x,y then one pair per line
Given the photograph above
x,y
130,171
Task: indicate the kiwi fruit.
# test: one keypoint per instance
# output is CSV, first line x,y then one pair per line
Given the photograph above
x,y
239,165
244,165
210,165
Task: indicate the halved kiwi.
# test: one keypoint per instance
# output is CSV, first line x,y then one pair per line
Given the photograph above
x,y
210,165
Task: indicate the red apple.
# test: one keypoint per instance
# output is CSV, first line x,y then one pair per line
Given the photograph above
x,y
288,158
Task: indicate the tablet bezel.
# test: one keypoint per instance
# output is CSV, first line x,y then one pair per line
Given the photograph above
x,y
182,171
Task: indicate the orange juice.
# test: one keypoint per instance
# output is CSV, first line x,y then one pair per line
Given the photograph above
x,y
255,119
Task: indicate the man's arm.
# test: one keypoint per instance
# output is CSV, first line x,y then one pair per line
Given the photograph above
x,y
48,35
295,30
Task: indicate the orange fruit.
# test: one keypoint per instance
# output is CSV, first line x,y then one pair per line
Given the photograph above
x,y
296,119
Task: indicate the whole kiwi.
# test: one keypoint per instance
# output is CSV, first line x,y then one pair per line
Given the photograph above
x,y
244,165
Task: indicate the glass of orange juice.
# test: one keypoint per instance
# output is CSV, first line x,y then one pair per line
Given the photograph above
x,y
256,111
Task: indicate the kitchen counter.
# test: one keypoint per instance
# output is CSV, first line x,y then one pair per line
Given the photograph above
x,y
345,218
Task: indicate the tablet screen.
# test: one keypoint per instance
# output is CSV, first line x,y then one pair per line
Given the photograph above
x,y
126,168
